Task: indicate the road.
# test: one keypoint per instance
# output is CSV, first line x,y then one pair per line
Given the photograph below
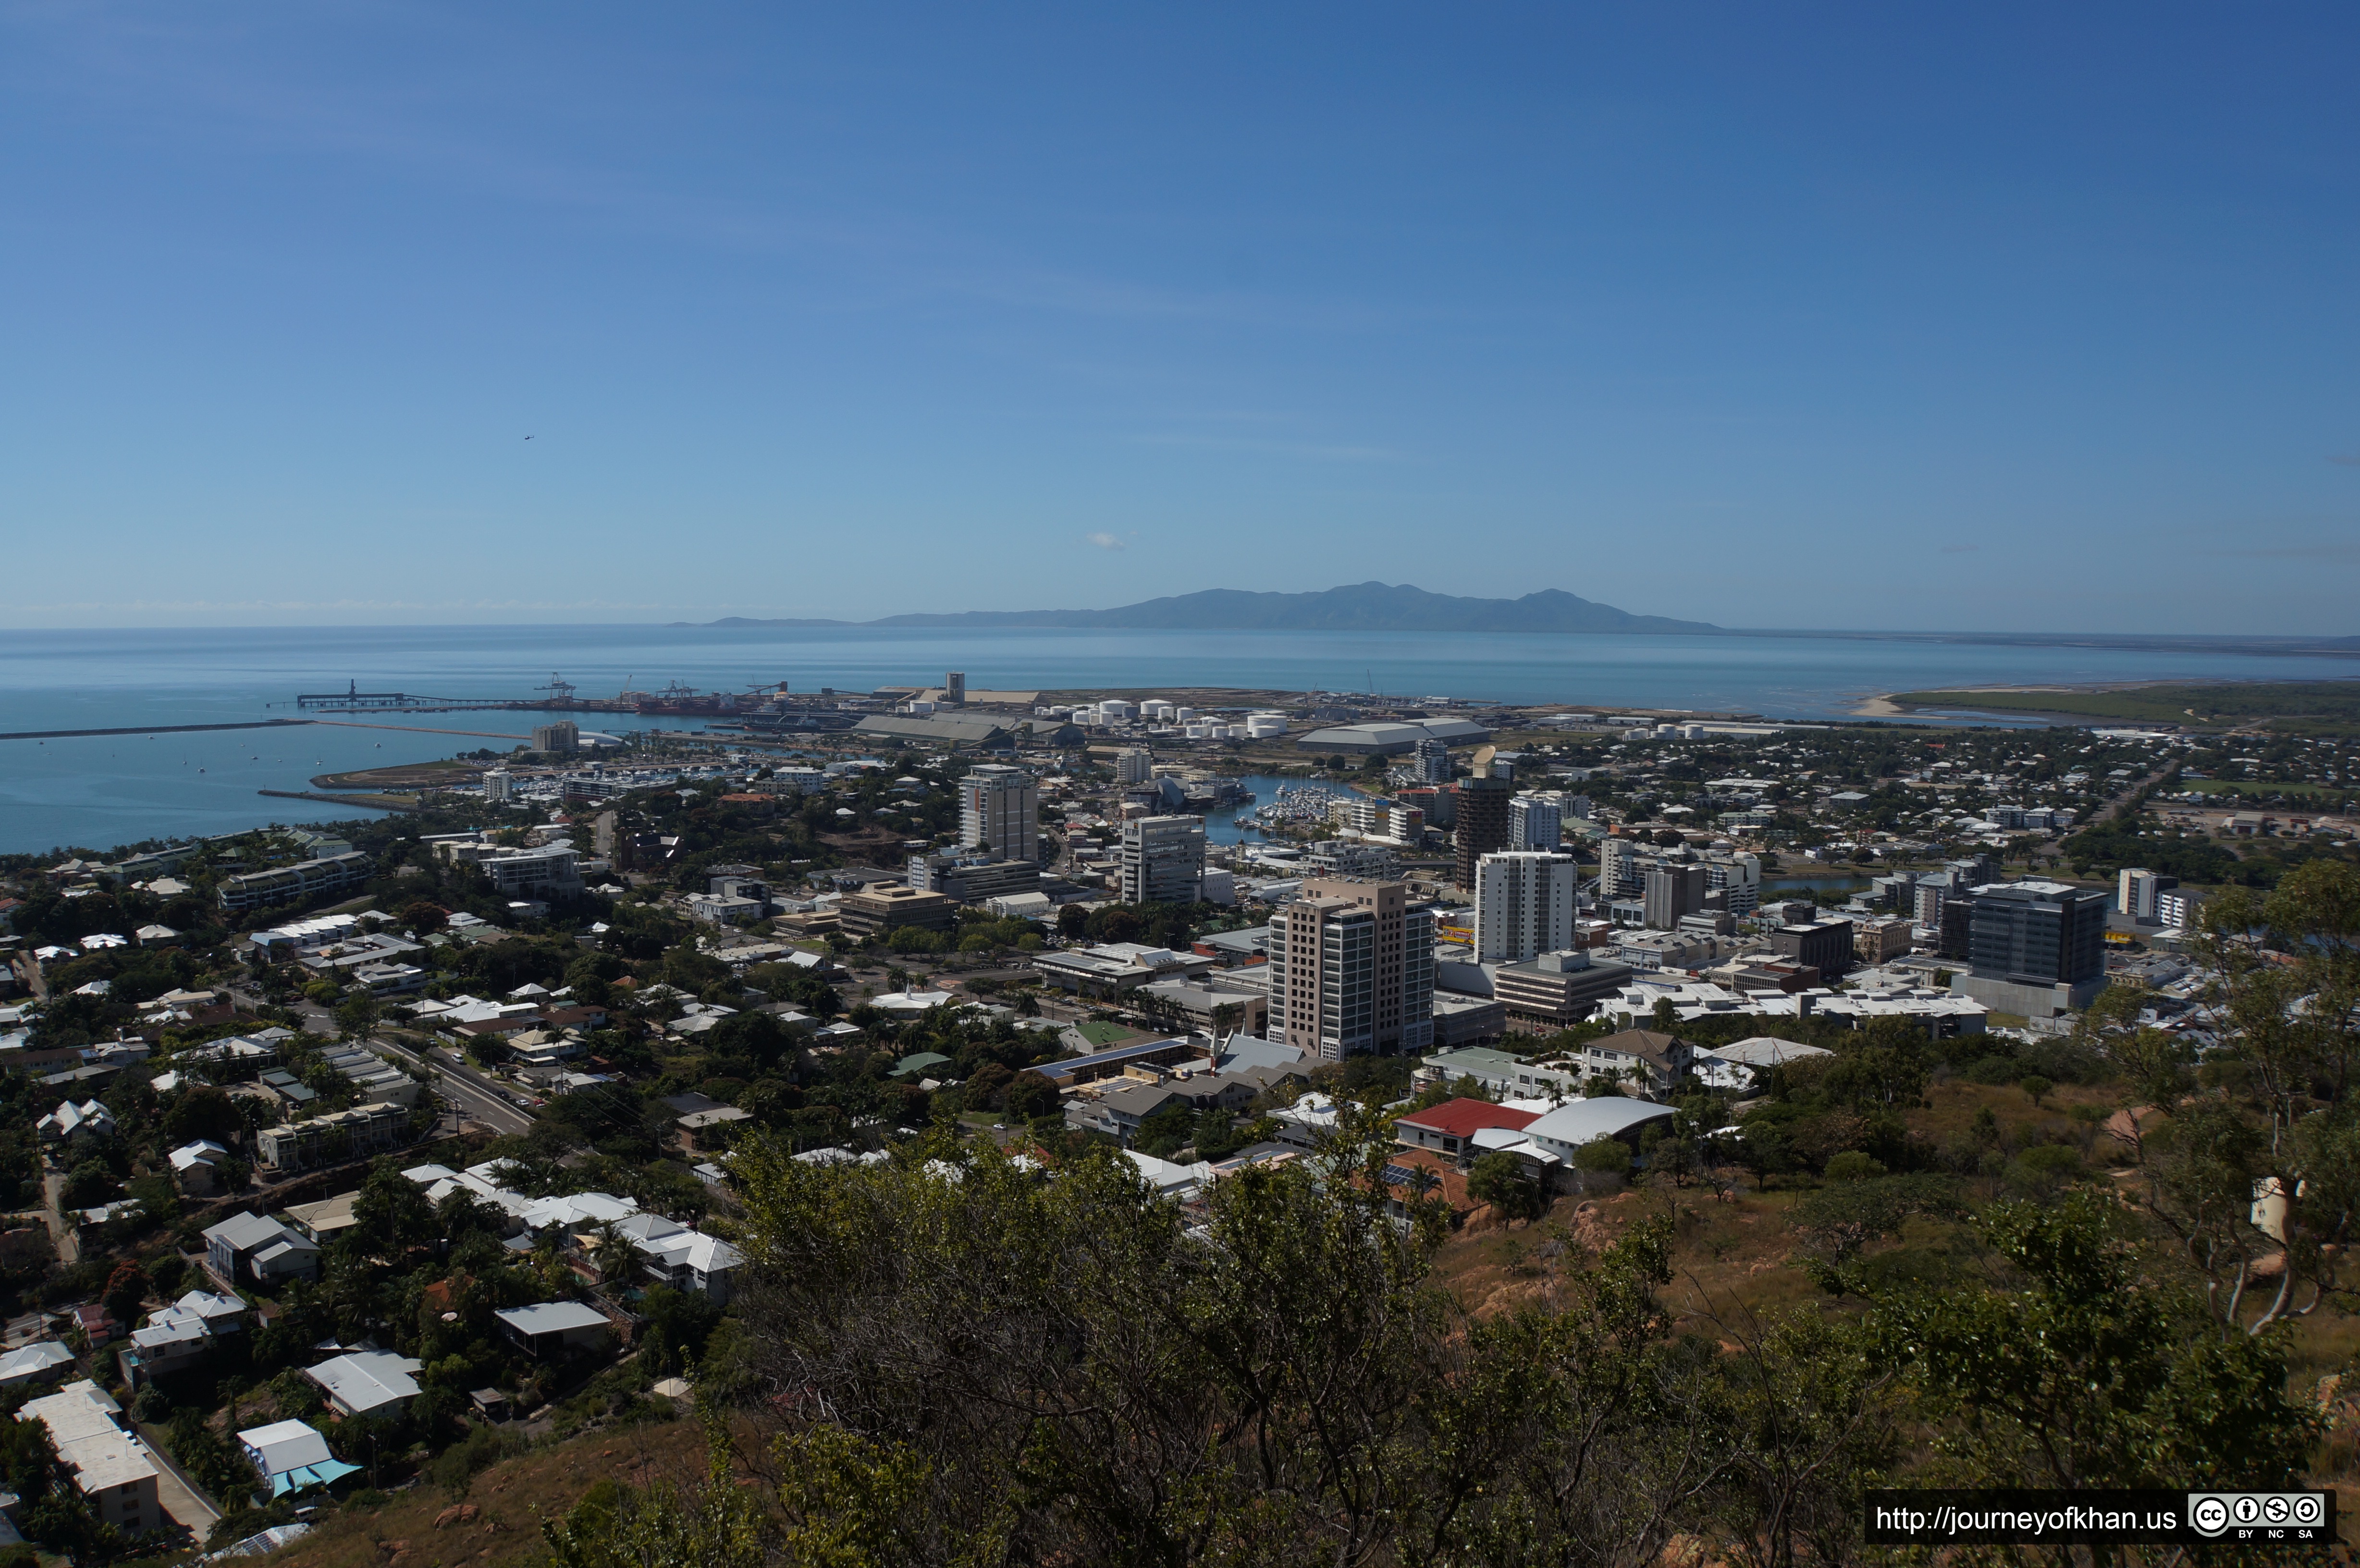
x,y
463,1087
2117,807
30,970
474,1094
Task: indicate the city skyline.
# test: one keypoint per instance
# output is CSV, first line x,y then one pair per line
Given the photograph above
x,y
421,314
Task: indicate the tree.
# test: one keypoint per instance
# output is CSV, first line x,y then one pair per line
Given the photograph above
x,y
203,1111
1498,1179
126,1292
2259,1182
357,1013
1028,1095
2086,1375
392,1215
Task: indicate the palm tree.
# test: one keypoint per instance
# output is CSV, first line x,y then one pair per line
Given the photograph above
x,y
611,1255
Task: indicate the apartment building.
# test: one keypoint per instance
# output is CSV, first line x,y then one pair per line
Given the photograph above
x,y
1523,904
1352,970
303,879
1000,809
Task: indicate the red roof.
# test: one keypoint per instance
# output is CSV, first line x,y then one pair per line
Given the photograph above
x,y
1465,1118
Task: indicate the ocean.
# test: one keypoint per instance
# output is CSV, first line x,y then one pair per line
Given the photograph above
x,y
98,791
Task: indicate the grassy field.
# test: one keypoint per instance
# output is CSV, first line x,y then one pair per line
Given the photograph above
x,y
2333,702
1103,1035
2261,787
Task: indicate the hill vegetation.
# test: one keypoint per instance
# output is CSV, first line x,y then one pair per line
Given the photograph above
x,y
1364,606
2296,703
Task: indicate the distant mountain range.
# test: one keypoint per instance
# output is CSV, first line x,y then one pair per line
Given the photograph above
x,y
1362,607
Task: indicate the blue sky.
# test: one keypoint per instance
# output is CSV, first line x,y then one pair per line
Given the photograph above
x,y
2007,316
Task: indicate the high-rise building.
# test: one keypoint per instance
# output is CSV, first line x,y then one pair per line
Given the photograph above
x,y
500,787
562,736
1352,970
955,688
1956,938
1523,905
1430,760
2040,933
1673,891
1738,881
1826,945
1163,860
1618,867
1579,808
1000,809
1483,825
1133,764
1535,821
2140,891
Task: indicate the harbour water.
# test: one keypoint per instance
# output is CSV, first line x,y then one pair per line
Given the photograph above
x,y
102,791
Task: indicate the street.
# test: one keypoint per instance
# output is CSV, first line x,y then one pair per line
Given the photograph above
x,y
473,1094
464,1087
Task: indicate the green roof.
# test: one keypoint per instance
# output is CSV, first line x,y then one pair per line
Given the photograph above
x,y
918,1063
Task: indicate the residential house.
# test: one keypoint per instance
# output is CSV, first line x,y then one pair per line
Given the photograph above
x,y
367,1382
289,1456
41,1362
197,1167
556,1328
257,1251
1637,1056
1416,1176
691,1262
75,1126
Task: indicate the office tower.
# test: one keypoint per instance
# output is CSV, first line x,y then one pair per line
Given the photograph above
x,y
1000,809
562,736
1578,807
1352,970
1133,764
498,785
2140,894
1431,762
1975,873
1673,891
1825,945
955,688
2041,933
1535,821
1163,860
1523,905
1482,823
1739,881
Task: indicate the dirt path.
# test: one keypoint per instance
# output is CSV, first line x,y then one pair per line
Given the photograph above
x,y
53,1214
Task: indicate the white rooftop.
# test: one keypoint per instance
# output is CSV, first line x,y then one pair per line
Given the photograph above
x,y
368,1380
551,1317
286,1445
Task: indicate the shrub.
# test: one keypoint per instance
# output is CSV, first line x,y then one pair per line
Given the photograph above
x,y
1854,1165
1606,1155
